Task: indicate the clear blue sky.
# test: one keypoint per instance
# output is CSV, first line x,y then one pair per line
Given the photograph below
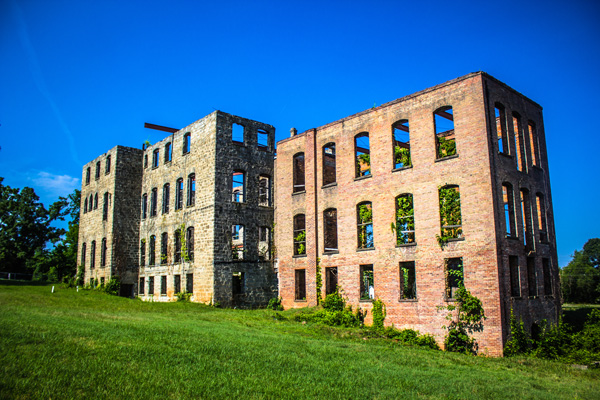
x,y
79,77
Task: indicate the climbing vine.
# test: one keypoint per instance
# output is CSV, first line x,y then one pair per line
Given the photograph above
x,y
450,214
184,253
319,280
300,243
405,220
402,157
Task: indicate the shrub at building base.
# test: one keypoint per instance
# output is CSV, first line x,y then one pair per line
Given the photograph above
x,y
113,286
275,304
335,312
183,297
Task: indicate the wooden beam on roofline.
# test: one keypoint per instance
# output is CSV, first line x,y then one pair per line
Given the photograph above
x,y
160,128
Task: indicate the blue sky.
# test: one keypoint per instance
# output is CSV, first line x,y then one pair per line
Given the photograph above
x,y
79,77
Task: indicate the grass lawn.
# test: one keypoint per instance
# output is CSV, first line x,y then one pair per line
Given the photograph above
x,y
91,345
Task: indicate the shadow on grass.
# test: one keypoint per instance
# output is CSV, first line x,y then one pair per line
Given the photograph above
x,y
575,315
17,282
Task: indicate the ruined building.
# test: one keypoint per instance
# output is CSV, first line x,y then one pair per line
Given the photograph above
x,y
400,202
192,213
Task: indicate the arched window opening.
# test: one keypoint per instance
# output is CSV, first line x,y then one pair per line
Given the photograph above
x,y
152,250
187,142
179,194
299,235
85,205
93,255
105,207
298,173
401,137
237,242
329,164
97,170
166,198
533,144
330,234
153,201
364,217
87,176
238,189
143,252
501,129
191,194
177,245
527,221
107,166
444,132
155,158
144,206
405,219
189,241
95,202
168,153
509,209
450,212
521,158
83,250
362,152
541,214
164,242
264,243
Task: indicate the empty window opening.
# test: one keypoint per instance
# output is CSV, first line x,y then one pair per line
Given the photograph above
x,y
541,215
508,199
155,158
364,217
547,277
526,218
141,286
165,198
298,171
362,152
300,284
83,250
450,212
501,129
262,138
179,194
176,283
191,194
163,285
107,166
87,176
329,164
401,137
145,161
454,276
408,280
237,242
330,229
153,201
531,276
189,283
97,170
237,283
238,189
91,201
515,277
95,201
103,249
151,285
264,191
178,246
85,205
519,143
164,241
144,205
93,255
299,235
143,252
105,207
367,282
168,152
533,144
444,132
237,133
264,241
189,242
152,250
405,219
331,280
187,142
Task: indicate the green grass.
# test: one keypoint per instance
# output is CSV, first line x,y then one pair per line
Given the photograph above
x,y
92,345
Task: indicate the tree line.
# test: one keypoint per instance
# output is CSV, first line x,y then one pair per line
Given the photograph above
x,y
29,242
580,279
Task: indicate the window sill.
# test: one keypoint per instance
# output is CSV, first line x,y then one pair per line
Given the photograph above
x,y
365,248
236,143
446,158
329,185
408,300
360,178
402,168
366,300
537,168
505,155
512,237
301,301
107,173
459,239
263,148
331,252
298,192
407,244
236,202
168,162
155,167
532,297
185,153
299,256
265,206
449,300
516,297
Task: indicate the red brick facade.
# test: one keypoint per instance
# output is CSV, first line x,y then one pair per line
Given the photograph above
x,y
478,170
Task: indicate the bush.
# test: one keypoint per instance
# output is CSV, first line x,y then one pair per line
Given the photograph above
x,y
183,296
519,342
334,301
275,304
113,286
379,314
345,318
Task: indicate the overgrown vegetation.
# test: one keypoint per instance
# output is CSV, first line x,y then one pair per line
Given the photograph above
x,y
556,342
183,296
86,345
446,147
334,312
465,316
404,227
450,215
275,304
300,243
365,236
402,157
580,279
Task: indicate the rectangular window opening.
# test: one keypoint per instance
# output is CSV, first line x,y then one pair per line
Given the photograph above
x,y
532,276
515,278
237,133
189,283
237,283
401,137
300,284
331,280
262,138
362,152
365,225
329,164
444,132
367,282
408,285
454,276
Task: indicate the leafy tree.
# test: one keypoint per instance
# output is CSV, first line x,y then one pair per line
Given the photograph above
x,y
25,227
580,279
